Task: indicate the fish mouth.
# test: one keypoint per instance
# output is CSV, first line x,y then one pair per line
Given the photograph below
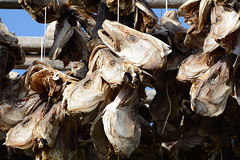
x,y
109,37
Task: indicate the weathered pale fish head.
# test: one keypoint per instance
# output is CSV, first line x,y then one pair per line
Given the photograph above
x,y
196,65
224,20
84,96
109,66
120,122
210,92
46,131
143,50
21,135
14,111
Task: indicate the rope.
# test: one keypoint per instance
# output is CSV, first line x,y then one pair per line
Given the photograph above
x,y
42,48
170,108
166,5
45,28
118,12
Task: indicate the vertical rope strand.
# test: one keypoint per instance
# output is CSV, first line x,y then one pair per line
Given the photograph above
x,y
45,28
42,48
166,5
170,108
118,12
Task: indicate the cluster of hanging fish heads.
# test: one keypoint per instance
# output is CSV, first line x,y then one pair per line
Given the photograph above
x,y
101,109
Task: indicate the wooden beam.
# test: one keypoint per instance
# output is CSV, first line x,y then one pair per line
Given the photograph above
x,y
13,4
10,4
30,58
33,44
162,3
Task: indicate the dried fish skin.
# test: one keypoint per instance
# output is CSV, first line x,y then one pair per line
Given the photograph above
x,y
20,136
46,131
171,15
236,85
196,65
62,34
210,92
127,42
70,42
190,11
125,7
42,78
224,21
120,122
204,13
147,18
36,9
187,6
84,96
225,2
98,135
195,38
15,51
83,17
209,43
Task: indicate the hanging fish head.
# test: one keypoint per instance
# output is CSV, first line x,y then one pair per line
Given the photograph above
x,y
210,92
84,96
143,50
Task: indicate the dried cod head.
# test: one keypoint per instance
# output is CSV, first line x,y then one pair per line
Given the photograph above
x,y
209,93
120,122
128,43
224,21
196,65
84,96
20,136
14,111
112,69
46,131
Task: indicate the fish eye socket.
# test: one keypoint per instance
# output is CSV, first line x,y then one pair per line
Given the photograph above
x,y
88,84
219,19
132,38
52,119
199,57
15,86
25,123
112,63
19,103
214,78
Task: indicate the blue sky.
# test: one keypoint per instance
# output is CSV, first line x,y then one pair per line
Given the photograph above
x,y
22,24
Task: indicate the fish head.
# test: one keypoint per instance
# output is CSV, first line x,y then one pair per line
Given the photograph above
x,y
210,92
20,136
111,69
196,65
84,96
47,129
129,43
